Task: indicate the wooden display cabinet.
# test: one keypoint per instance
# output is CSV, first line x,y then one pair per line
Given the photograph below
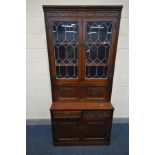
x,y
82,42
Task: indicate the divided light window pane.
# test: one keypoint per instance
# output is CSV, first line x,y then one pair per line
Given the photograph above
x,y
65,41
98,41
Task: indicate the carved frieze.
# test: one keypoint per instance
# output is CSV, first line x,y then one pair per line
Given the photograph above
x,y
82,13
101,13
64,13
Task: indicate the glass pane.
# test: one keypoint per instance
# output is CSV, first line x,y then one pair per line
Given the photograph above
x,y
98,40
65,41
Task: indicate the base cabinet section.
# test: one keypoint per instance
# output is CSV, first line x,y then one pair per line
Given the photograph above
x,y
82,127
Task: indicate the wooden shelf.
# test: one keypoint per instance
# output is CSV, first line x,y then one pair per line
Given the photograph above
x,y
81,105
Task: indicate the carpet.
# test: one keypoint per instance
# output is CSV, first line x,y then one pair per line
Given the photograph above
x,y
39,142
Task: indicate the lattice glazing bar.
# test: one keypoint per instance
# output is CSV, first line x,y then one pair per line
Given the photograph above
x,y
98,41
65,40
66,71
96,71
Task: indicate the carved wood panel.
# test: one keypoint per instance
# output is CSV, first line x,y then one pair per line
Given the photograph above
x,y
66,130
83,13
98,93
94,129
101,13
64,13
68,93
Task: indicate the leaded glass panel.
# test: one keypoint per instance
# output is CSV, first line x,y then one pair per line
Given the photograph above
x,y
65,41
98,41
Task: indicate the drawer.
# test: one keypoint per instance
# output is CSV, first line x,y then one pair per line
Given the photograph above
x,y
97,114
66,114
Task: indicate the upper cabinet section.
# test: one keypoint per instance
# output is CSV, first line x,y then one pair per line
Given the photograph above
x,y
82,41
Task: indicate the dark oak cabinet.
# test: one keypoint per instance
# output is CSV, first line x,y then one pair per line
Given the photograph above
x,y
82,42
81,123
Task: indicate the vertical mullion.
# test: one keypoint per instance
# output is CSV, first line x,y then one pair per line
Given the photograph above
x,y
80,51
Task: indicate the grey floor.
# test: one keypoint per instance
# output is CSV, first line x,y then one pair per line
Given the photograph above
x,y
39,142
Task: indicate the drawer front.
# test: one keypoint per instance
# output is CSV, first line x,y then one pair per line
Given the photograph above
x,y
97,114
66,114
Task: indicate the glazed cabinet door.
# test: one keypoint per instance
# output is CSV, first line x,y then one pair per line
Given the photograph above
x,y
63,35
100,33
100,39
64,32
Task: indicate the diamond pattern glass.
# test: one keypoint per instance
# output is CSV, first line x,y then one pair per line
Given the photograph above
x,y
65,40
98,41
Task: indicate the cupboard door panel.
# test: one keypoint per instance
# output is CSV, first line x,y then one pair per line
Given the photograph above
x,y
67,93
95,130
66,130
101,94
